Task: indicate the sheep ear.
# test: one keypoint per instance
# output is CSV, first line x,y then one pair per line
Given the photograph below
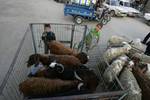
x,y
88,57
80,85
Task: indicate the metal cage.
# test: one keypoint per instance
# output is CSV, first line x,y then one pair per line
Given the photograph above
x,y
70,35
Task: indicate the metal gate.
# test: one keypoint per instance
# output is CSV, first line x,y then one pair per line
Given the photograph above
x,y
70,35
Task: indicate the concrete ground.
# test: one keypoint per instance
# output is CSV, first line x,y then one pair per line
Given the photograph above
x,y
15,15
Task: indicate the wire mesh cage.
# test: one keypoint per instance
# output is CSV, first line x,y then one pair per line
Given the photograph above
x,y
70,35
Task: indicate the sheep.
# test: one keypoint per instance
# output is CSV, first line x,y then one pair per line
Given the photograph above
x,y
143,81
141,57
130,83
87,76
58,48
113,53
115,68
136,44
56,70
41,87
117,40
68,61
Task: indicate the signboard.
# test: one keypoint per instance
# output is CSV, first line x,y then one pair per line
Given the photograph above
x,y
84,2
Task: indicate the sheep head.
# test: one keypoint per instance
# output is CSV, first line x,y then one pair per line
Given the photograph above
x,y
83,57
58,67
33,59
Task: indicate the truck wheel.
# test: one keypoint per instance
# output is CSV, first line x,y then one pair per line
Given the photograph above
x,y
104,21
112,13
107,17
78,19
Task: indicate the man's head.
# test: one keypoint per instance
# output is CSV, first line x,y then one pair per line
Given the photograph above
x,y
99,26
47,27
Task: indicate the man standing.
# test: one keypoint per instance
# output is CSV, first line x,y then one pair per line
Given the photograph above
x,y
147,52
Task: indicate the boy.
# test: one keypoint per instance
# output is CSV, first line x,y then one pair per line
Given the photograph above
x,y
47,36
92,38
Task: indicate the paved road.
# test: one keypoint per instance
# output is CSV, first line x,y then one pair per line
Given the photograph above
x,y
16,14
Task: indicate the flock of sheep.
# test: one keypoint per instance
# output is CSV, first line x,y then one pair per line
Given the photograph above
x,y
60,73
63,71
131,66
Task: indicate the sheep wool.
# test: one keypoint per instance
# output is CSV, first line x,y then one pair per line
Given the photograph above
x,y
113,53
116,40
129,82
114,69
39,87
144,82
143,58
137,46
148,71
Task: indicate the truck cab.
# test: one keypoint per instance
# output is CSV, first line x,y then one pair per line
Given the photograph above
x,y
121,8
127,4
115,9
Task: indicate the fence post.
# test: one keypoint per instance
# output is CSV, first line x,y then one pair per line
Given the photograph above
x,y
72,35
84,34
34,44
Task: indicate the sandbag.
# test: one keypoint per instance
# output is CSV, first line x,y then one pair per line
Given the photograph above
x,y
114,69
113,53
129,82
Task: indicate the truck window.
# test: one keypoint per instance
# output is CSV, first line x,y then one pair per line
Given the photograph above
x,y
114,3
121,3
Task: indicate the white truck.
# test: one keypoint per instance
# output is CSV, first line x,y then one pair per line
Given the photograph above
x,y
121,8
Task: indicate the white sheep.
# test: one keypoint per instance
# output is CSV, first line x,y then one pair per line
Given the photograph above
x,y
113,53
114,68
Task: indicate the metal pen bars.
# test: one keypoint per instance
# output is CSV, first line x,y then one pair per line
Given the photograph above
x,y
70,35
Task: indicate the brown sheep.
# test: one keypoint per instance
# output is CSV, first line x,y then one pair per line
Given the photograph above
x,y
41,87
66,60
87,76
60,49
143,81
